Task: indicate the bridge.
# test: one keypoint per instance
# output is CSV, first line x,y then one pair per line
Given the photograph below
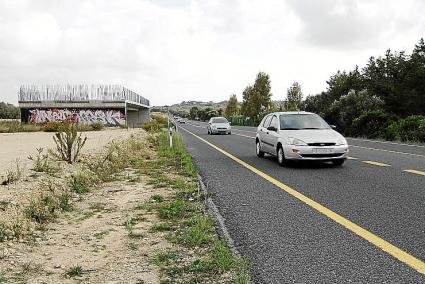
x,y
112,105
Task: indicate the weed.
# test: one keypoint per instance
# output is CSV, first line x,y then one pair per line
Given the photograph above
x,y
42,208
157,198
173,210
166,257
14,174
68,142
75,271
81,181
199,232
2,233
161,227
97,126
42,163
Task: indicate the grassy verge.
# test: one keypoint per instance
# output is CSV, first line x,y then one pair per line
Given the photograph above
x,y
198,254
17,126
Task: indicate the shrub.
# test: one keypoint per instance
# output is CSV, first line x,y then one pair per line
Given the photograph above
x,y
411,128
16,126
68,142
97,126
42,208
81,181
53,126
152,126
372,124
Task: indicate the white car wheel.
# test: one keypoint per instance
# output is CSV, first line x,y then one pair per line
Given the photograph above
x,y
258,150
280,156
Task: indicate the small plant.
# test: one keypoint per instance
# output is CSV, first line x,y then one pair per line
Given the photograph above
x,y
97,126
157,198
13,175
2,233
68,142
173,210
42,208
42,163
81,181
75,271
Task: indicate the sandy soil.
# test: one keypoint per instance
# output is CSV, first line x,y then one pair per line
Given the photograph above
x,y
20,145
93,235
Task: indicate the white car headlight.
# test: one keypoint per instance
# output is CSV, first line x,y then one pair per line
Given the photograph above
x,y
296,142
214,127
341,141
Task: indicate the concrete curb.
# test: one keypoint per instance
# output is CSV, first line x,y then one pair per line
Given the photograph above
x,y
215,214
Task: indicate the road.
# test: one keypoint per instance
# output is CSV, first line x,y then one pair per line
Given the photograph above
x,y
363,222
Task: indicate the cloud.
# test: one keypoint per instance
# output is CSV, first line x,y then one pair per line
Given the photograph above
x,y
171,50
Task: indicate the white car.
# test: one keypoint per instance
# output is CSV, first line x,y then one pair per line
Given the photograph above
x,y
219,125
300,136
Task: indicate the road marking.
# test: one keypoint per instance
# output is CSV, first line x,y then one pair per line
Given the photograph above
x,y
243,135
386,142
376,163
396,252
415,172
351,158
390,151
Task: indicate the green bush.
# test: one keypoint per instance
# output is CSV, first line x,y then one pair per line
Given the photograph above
x,y
411,128
53,126
97,126
16,126
372,124
152,126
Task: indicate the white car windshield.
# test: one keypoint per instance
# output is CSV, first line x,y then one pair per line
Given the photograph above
x,y
219,120
302,121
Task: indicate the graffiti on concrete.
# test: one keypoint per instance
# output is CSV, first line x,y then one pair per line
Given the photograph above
x,y
84,116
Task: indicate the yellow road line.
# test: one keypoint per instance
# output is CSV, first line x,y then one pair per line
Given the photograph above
x,y
243,135
389,151
376,163
396,252
415,172
351,158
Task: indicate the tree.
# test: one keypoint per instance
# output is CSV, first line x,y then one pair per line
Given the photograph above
x,y
8,111
294,97
193,113
257,98
231,107
262,90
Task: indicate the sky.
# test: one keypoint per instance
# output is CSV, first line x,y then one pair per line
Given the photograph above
x,y
175,50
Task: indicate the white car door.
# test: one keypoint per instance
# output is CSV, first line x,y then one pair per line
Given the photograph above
x,y
274,134
263,133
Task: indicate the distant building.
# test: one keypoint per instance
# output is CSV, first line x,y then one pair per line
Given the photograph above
x,y
112,105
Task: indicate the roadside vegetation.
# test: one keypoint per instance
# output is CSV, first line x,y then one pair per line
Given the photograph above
x,y
173,213
13,126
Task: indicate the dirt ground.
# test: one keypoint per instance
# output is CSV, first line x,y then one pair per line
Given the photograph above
x,y
107,235
95,238
20,145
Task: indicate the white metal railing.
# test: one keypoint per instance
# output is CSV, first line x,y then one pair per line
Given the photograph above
x,y
79,92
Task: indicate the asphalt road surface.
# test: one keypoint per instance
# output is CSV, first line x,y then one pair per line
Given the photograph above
x,y
363,222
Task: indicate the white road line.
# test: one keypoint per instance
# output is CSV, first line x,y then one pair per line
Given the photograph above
x,y
387,142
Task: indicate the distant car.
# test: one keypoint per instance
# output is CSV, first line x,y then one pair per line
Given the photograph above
x,y
219,125
182,120
300,136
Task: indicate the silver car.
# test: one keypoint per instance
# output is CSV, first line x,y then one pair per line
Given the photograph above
x,y
219,125
300,136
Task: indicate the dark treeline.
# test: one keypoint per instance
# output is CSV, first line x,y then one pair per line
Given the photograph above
x,y
8,111
385,99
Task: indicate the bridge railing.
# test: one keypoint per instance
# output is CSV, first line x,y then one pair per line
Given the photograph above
x,y
79,92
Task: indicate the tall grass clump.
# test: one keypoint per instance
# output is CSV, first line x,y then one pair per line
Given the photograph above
x,y
16,126
177,154
68,142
